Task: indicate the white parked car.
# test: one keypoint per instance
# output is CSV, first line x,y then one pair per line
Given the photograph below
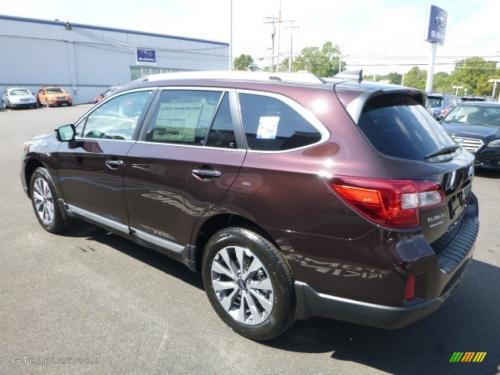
x,y
19,97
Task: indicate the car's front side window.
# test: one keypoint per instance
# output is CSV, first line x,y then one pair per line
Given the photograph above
x,y
184,116
117,118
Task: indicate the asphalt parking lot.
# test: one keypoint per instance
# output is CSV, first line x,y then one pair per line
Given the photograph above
x,y
115,307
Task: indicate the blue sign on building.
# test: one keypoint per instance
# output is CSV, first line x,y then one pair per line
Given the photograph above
x,y
437,25
146,55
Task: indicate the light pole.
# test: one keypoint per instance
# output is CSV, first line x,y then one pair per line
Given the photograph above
x,y
457,88
494,81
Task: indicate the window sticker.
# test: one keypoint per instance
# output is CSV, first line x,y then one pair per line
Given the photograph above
x,y
268,127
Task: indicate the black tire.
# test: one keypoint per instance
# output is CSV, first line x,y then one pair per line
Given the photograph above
x,y
60,221
282,315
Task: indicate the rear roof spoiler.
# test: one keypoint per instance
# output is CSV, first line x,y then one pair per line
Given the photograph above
x,y
354,75
356,106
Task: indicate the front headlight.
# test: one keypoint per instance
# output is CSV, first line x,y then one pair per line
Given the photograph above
x,y
495,143
26,146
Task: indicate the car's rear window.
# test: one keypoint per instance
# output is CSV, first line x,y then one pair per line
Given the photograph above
x,y
435,101
398,126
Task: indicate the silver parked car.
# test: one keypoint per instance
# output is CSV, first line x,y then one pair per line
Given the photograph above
x,y
18,97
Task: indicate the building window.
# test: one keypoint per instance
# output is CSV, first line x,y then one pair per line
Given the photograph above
x,y
139,71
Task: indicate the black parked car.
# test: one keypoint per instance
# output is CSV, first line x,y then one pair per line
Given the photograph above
x,y
476,126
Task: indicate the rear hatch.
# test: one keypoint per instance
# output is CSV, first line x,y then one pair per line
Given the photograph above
x,y
415,147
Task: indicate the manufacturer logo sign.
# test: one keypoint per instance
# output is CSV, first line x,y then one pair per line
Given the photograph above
x,y
436,30
468,357
441,20
146,56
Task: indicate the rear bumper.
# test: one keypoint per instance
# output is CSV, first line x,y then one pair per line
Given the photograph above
x,y
311,303
437,277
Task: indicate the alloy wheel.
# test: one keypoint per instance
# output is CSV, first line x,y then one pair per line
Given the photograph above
x,y
44,202
242,285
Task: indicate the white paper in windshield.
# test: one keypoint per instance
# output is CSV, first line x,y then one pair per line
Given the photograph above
x,y
268,127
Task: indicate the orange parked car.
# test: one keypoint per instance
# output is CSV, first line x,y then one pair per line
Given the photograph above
x,y
52,96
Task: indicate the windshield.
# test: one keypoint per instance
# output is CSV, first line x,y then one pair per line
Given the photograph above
x,y
54,90
435,101
475,115
397,125
18,92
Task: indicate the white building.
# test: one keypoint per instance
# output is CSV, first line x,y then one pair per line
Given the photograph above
x,y
86,59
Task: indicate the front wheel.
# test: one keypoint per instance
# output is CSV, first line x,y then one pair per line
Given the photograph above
x,y
45,202
248,283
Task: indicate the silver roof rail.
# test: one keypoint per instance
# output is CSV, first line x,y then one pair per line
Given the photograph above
x,y
299,77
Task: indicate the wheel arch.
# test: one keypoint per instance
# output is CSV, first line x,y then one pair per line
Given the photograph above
x,y
30,166
217,222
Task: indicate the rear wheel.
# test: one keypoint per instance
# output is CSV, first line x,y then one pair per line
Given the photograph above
x,y
45,202
248,283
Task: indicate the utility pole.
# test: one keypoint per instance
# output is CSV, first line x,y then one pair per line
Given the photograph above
x,y
290,58
230,35
279,38
272,20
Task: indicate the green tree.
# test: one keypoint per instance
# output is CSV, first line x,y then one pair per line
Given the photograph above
x,y
442,82
323,62
244,62
283,67
394,78
416,78
473,74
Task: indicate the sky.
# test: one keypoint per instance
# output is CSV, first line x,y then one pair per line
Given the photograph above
x,y
377,35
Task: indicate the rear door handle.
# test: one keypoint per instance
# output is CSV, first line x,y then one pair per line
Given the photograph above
x,y
206,174
114,164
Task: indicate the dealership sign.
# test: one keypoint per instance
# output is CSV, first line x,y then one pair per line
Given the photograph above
x,y
146,56
436,30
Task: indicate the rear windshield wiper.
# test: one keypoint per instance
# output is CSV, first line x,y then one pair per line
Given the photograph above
x,y
443,151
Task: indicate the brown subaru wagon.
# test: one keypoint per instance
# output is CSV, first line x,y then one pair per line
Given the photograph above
x,y
291,195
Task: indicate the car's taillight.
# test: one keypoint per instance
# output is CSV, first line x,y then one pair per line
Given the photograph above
x,y
392,203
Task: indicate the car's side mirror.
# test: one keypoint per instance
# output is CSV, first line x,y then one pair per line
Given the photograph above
x,y
66,133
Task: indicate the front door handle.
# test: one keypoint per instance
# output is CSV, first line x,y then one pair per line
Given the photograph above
x,y
114,163
206,174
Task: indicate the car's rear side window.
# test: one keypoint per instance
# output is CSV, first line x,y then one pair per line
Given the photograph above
x,y
272,125
398,126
